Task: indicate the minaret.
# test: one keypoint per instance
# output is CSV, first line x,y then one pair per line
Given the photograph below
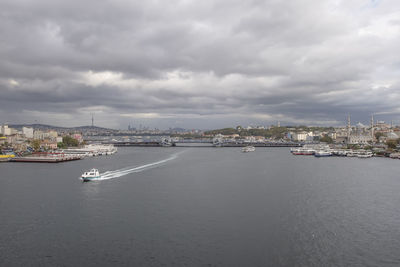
x,y
348,127
372,127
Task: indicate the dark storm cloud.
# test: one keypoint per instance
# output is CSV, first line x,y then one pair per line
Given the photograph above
x,y
198,63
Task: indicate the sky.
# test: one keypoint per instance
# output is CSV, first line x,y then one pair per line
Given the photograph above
x,y
199,64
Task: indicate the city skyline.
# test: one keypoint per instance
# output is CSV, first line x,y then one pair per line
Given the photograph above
x,y
200,65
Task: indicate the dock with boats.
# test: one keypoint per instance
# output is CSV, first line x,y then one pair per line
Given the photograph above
x,y
326,151
63,155
46,157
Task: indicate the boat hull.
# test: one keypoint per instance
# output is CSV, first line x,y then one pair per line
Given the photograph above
x,y
322,156
88,179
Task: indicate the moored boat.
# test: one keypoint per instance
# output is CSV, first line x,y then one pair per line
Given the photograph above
x,y
365,154
322,153
352,153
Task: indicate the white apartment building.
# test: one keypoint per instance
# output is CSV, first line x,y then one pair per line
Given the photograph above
x,y
4,130
38,135
28,132
301,136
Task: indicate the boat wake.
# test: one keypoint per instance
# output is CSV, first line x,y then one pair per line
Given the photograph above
x,y
118,173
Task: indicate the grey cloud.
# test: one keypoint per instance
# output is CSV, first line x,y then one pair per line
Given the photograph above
x,y
294,61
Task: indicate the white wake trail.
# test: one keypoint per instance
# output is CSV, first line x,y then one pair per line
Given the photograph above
x,y
118,173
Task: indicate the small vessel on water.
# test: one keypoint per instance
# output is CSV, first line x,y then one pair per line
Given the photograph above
x,y
218,141
90,175
166,142
248,149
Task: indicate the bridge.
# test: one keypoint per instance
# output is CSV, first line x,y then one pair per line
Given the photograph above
x,y
204,144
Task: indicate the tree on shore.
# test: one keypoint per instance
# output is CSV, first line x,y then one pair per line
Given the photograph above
x,y
69,141
36,144
326,139
61,145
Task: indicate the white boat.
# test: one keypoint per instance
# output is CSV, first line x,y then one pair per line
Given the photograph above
x,y
248,149
322,153
365,154
166,142
218,142
352,153
90,175
304,151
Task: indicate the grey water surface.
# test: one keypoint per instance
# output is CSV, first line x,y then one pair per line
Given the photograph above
x,y
202,207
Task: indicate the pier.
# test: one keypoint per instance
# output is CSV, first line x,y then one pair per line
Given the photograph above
x,y
44,157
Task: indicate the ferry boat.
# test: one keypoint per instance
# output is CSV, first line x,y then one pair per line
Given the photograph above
x,y
248,149
90,175
340,153
303,151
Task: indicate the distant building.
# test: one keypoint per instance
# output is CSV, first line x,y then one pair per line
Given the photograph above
x,y
4,130
359,139
39,135
78,137
52,134
28,132
3,140
300,136
392,136
48,144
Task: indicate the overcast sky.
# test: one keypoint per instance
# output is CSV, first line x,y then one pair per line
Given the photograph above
x,y
199,64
